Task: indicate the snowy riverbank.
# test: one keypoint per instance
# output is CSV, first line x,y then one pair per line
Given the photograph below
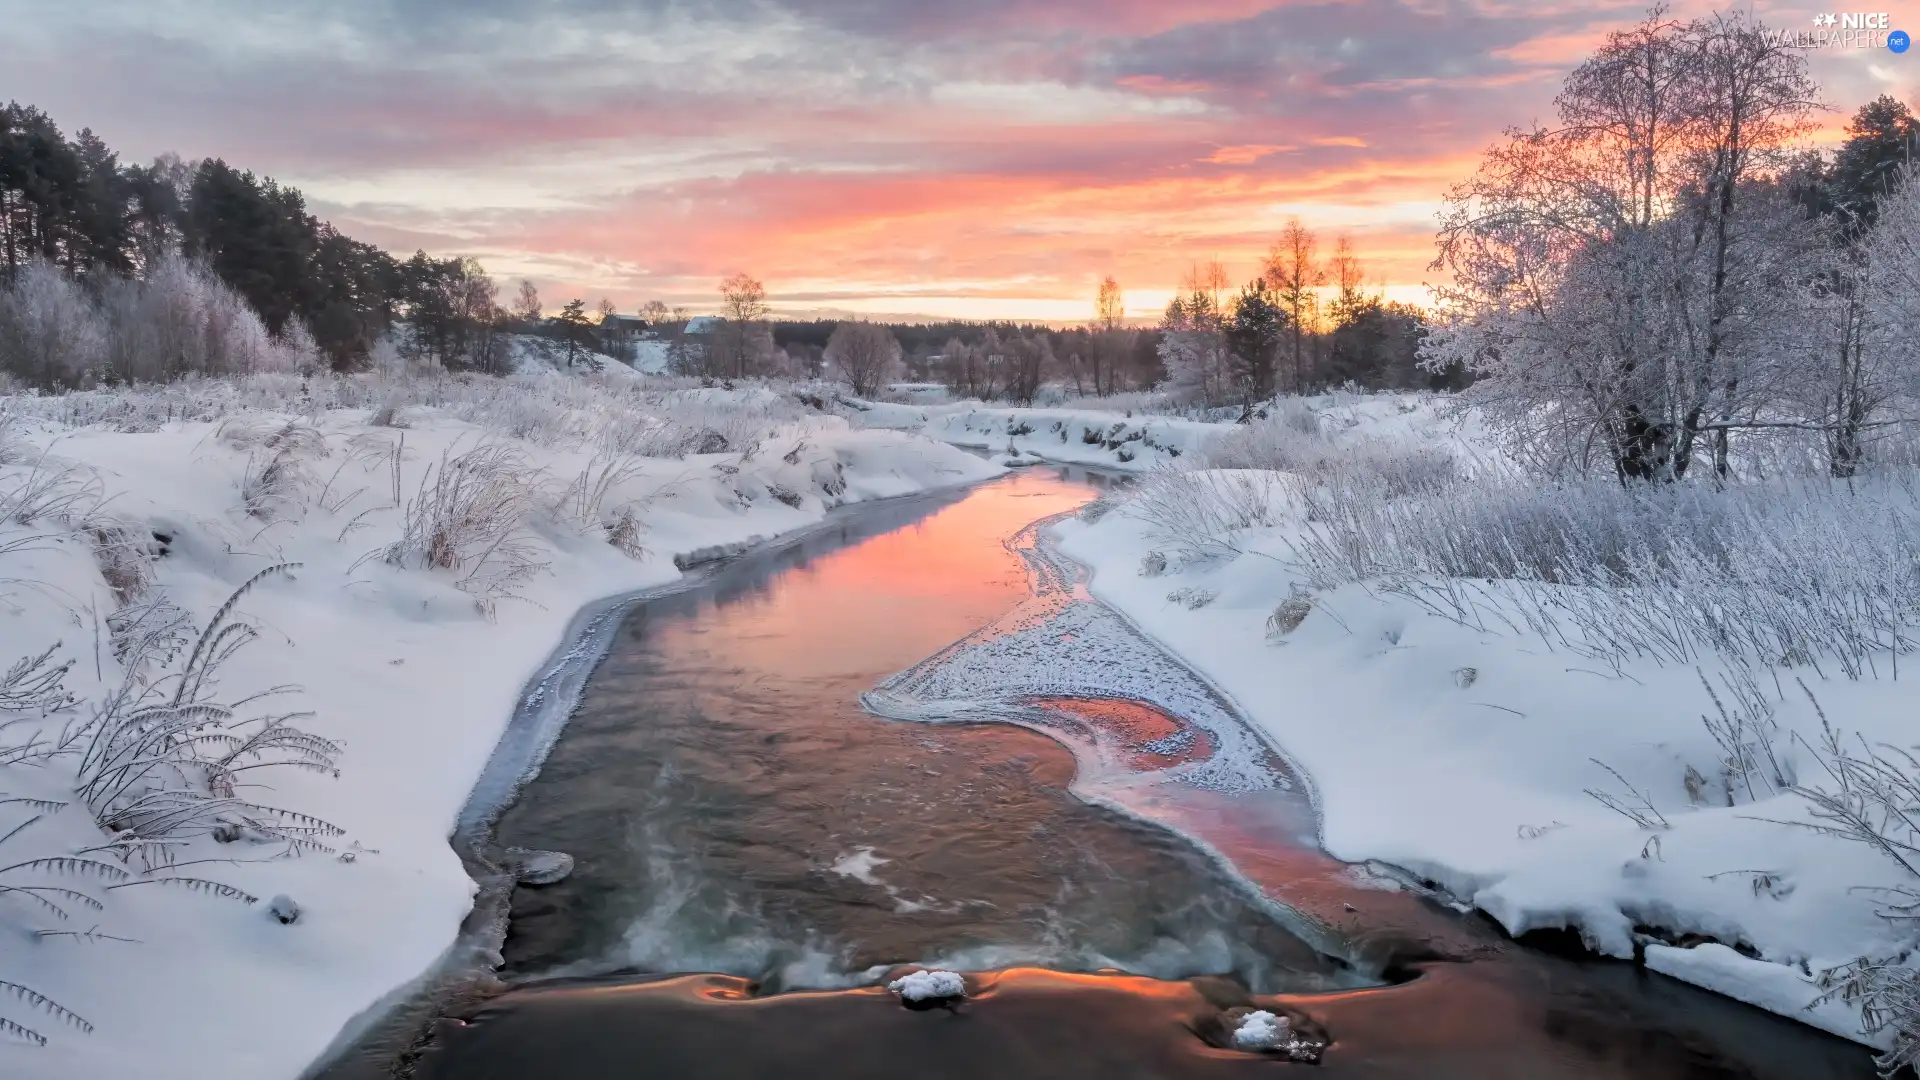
x,y
1470,752
408,660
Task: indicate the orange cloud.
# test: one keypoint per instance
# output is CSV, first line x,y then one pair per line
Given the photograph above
x,y
1245,155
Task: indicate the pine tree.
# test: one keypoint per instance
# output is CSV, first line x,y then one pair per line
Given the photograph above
x,y
1882,140
574,325
1255,332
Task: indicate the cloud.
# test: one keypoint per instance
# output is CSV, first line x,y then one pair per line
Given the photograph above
x,y
855,151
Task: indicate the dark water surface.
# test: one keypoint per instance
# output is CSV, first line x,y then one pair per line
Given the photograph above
x,y
737,816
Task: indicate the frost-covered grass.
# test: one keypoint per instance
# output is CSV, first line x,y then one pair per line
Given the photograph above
x,y
397,555
1105,432
1648,715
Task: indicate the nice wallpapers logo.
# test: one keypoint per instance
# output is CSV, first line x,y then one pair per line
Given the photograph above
x,y
1850,30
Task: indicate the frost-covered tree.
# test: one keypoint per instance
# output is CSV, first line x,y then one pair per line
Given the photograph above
x,y
51,335
866,355
1623,281
1892,252
1858,354
1193,349
182,319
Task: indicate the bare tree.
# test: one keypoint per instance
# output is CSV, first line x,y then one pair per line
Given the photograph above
x,y
1348,278
865,354
743,340
526,305
1293,276
1108,342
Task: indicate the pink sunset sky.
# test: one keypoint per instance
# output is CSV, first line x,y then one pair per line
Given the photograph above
x,y
985,158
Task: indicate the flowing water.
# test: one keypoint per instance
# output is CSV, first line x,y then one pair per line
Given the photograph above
x,y
1052,805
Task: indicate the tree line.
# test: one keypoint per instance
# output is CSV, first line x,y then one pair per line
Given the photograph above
x,y
1277,334
1666,283
69,205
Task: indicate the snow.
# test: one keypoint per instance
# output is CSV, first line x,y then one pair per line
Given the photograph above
x,y
1461,755
539,356
929,986
1073,436
1464,756
651,357
414,676
858,864
1261,1030
1777,988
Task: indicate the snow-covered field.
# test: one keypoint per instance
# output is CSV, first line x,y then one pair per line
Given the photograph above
x,y
1474,732
1538,745
415,551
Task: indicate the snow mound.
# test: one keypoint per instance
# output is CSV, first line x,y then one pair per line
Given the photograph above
x,y
929,986
1261,1030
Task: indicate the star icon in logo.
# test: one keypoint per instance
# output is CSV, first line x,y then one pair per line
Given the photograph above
x,y
1830,19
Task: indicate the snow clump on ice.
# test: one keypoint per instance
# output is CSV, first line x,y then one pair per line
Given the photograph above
x,y
1261,1030
929,986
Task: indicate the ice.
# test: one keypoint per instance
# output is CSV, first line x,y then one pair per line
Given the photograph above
x,y
1061,644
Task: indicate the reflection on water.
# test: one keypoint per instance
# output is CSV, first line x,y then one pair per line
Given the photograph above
x,y
732,810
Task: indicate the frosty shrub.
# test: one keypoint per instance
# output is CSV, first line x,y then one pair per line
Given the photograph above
x,y
50,333
163,760
49,490
1294,440
467,516
277,478
56,888
1805,573
124,552
589,506
1290,613
623,416
1196,514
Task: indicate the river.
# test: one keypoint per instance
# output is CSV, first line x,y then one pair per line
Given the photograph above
x,y
1053,807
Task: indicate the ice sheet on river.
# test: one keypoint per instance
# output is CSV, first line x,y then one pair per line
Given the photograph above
x,y
1063,644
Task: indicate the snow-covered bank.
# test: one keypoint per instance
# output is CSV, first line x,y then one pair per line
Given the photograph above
x,y
1069,436
1472,753
407,632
